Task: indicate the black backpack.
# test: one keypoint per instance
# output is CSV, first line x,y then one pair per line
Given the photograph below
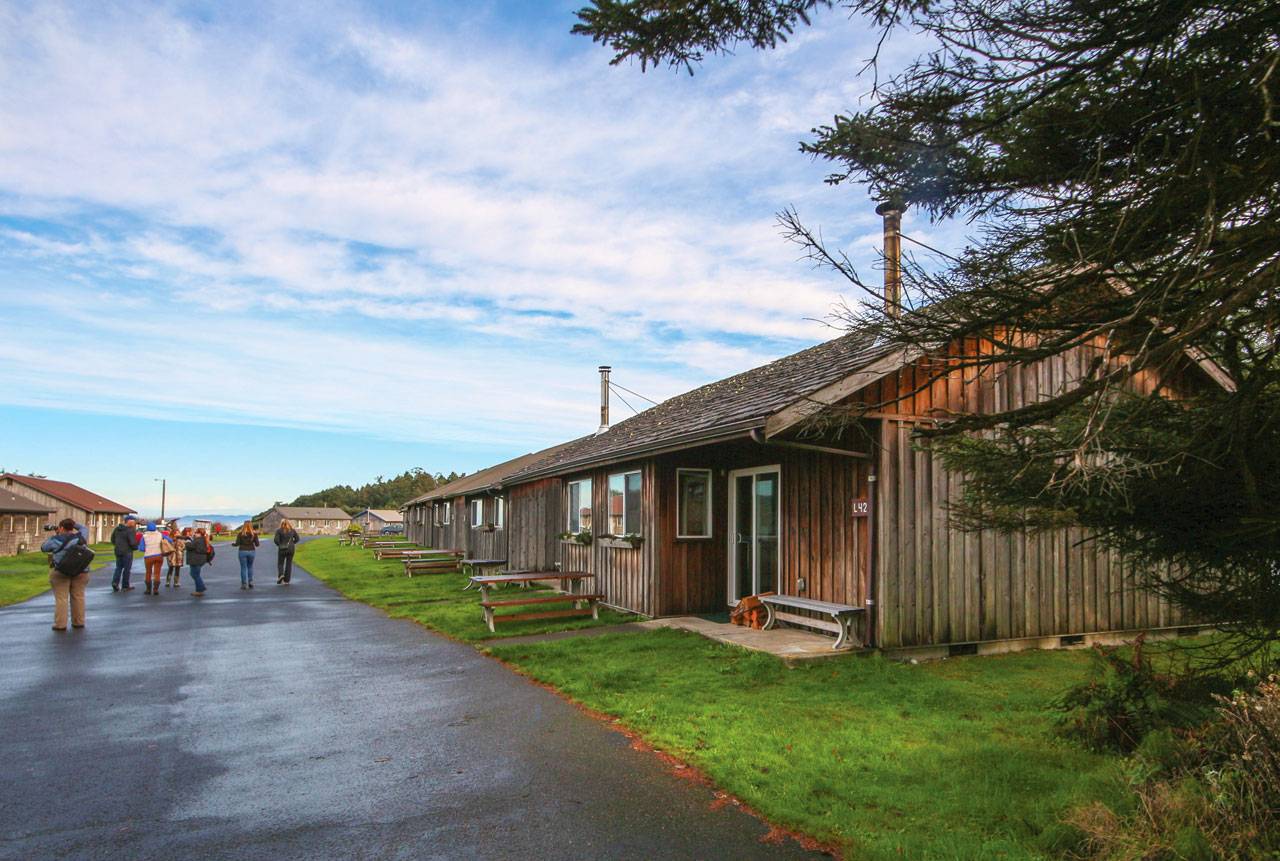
x,y
76,559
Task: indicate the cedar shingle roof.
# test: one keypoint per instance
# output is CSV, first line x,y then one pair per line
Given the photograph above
x,y
486,479
11,503
294,512
70,493
728,406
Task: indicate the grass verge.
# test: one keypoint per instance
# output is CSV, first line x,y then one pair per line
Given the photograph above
x,y
27,575
956,759
435,600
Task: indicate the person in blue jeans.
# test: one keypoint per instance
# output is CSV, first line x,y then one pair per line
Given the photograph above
x,y
124,540
246,544
198,551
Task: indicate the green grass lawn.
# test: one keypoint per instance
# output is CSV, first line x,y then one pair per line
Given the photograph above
x,y
955,759
25,576
434,600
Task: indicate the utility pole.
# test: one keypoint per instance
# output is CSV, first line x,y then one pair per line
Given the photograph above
x,y
164,484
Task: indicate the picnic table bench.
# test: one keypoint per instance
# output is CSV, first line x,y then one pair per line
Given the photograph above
x,y
433,562
569,579
401,552
842,616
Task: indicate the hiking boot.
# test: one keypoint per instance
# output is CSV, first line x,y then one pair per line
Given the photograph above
x,y
250,584
148,588
115,588
244,586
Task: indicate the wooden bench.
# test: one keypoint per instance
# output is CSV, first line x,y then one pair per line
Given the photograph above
x,y
439,562
592,602
842,616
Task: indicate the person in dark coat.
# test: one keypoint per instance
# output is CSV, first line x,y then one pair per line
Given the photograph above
x,y
199,554
124,540
246,542
286,539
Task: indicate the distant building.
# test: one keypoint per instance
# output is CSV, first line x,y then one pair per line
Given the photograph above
x,y
308,521
22,523
373,519
65,499
206,525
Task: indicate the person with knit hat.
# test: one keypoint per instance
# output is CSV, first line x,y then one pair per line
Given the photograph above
x,y
155,547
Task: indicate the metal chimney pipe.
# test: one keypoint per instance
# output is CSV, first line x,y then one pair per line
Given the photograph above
x,y
892,214
604,398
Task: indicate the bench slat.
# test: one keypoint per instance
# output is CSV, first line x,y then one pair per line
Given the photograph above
x,y
541,599
809,604
545,614
824,624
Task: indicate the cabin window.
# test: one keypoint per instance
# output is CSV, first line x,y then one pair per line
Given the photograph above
x,y
446,509
477,513
693,503
624,503
499,512
579,505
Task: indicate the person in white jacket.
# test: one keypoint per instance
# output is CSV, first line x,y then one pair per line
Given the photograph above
x,y
155,546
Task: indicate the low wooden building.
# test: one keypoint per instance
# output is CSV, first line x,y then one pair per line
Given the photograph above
x,y
64,499
374,519
728,491
307,521
22,522
474,514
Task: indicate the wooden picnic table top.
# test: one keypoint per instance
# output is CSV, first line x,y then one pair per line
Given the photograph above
x,y
530,576
484,561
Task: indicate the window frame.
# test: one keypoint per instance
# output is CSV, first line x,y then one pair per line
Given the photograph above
x,y
477,507
569,508
499,512
710,517
608,496
446,512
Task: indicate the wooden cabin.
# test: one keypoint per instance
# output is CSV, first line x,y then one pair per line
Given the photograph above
x,y
22,523
305,520
726,491
376,519
64,499
473,514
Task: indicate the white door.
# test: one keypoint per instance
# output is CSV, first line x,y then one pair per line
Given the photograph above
x,y
754,540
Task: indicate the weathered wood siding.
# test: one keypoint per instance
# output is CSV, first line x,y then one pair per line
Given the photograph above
x,y
482,542
534,516
940,585
23,532
820,541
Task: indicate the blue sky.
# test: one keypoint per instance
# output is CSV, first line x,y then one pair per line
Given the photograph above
x,y
260,251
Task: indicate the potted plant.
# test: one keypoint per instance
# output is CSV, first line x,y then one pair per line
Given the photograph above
x,y
633,538
583,537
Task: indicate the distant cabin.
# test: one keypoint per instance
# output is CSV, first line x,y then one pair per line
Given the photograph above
x,y
63,499
374,519
307,521
22,522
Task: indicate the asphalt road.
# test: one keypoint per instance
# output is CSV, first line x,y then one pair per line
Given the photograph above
x,y
290,723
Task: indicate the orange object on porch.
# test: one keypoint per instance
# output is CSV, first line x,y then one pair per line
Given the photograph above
x,y
750,612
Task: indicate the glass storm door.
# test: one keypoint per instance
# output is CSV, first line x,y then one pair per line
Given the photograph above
x,y
753,538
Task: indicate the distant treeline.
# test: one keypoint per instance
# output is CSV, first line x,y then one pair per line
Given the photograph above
x,y
380,493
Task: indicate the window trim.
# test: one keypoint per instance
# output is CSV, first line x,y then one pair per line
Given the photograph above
x,y
607,504
477,507
710,517
446,512
568,504
499,512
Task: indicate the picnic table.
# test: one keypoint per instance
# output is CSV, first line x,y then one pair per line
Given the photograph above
x,y
432,562
569,582
473,566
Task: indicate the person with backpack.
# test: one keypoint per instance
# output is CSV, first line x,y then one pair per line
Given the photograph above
x,y
69,561
124,540
199,554
246,546
155,546
286,539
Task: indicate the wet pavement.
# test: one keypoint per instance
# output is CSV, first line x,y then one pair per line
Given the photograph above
x,y
287,722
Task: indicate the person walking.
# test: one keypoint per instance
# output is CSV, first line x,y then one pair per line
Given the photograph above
x,y
286,539
246,544
199,551
155,546
124,540
68,592
179,541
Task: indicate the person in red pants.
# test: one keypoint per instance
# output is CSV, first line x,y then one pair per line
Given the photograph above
x,y
155,547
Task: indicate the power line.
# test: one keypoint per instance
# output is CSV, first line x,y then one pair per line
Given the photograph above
x,y
929,247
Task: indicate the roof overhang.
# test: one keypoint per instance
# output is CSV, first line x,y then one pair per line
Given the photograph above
x,y
814,403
